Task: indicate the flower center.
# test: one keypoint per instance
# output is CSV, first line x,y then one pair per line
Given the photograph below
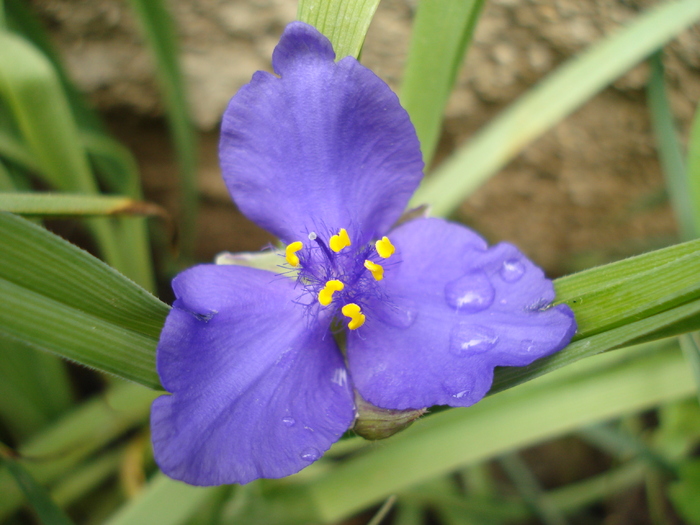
x,y
339,276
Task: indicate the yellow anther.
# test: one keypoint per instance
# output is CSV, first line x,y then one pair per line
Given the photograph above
x,y
384,247
340,241
325,296
357,318
290,253
376,269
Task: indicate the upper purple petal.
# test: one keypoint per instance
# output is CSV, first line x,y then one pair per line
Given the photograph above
x,y
326,146
257,390
470,309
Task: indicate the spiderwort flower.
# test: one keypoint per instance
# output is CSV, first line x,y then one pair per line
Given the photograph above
x,y
324,157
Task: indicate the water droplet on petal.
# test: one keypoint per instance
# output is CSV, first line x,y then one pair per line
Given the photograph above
x,y
527,345
288,421
310,454
468,339
512,270
460,395
470,293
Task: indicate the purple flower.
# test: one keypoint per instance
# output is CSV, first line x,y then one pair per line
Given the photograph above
x,y
324,157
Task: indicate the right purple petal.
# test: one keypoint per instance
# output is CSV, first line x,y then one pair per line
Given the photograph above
x,y
258,388
470,309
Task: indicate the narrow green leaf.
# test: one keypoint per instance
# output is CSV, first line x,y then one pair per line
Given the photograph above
x,y
58,298
32,89
552,100
670,149
344,22
694,168
34,389
160,34
46,204
15,151
442,31
164,501
87,477
593,390
34,93
48,325
684,493
640,295
48,512
690,344
73,438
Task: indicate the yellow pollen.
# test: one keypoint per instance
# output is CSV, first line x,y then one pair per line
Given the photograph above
x,y
340,241
376,269
357,318
290,253
384,248
325,296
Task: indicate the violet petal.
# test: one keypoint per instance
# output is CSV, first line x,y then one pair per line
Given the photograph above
x,y
258,389
324,147
473,309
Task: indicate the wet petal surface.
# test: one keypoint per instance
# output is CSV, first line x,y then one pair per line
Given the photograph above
x,y
258,389
473,308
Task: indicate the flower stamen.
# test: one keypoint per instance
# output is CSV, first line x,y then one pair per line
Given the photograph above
x,y
376,269
339,241
384,248
354,312
290,253
325,296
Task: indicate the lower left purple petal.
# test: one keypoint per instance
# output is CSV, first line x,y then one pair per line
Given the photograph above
x,y
258,389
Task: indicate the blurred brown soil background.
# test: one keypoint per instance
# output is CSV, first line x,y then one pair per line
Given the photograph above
x,y
588,191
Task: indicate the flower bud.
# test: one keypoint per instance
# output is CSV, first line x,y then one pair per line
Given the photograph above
x,y
379,423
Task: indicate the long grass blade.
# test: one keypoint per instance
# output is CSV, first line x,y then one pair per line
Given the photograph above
x,y
442,31
48,512
344,22
669,148
160,34
552,100
57,204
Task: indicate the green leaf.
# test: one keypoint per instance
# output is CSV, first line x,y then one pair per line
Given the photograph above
x,y
164,501
669,148
690,344
160,34
58,298
694,168
442,31
684,493
597,389
34,389
64,444
34,94
49,513
47,204
344,22
615,298
549,102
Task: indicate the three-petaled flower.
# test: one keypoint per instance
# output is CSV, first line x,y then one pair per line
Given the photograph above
x,y
324,157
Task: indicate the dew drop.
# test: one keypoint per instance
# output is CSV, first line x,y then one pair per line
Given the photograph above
x,y
460,395
310,454
470,293
288,421
468,339
527,345
512,270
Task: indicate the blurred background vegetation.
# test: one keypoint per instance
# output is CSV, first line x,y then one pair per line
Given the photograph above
x,y
124,98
